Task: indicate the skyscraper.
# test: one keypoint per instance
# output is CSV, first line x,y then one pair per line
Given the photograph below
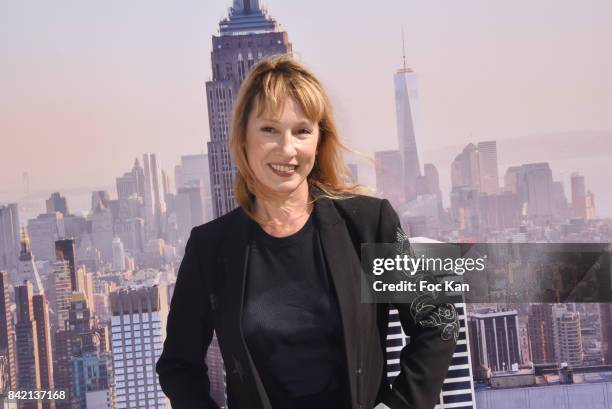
x,y
189,208
27,268
578,196
118,255
246,36
9,237
388,167
62,289
407,111
489,178
465,169
193,171
138,328
539,188
7,334
57,203
567,338
43,232
45,355
65,251
159,206
495,339
540,330
28,366
90,359
80,338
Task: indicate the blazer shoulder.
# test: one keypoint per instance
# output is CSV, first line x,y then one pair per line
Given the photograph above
x,y
371,218
218,226
367,209
361,204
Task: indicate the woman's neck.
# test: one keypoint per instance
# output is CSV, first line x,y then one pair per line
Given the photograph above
x,y
284,215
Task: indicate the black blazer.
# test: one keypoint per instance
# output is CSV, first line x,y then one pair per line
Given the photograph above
x,y
209,293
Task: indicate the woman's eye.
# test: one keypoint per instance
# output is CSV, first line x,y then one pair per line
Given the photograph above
x,y
267,129
304,131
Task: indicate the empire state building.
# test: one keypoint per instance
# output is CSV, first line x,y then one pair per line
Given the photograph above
x,y
247,35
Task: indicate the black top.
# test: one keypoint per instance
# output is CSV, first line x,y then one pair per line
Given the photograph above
x,y
291,321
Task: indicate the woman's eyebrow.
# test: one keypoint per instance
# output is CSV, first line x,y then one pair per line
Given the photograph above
x,y
303,122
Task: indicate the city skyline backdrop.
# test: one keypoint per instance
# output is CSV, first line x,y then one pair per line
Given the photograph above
x,y
78,73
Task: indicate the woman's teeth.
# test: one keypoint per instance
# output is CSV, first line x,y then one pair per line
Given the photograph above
x,y
283,168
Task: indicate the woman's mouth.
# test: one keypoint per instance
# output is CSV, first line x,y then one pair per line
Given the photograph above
x,y
284,170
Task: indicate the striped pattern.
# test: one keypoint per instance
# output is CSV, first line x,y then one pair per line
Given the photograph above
x,y
458,388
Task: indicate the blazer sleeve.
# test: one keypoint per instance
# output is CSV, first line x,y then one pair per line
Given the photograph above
x,y
432,324
181,367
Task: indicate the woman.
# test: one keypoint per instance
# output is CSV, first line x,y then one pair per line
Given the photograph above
x,y
277,278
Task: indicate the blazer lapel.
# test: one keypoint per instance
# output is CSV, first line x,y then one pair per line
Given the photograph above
x,y
235,262
338,249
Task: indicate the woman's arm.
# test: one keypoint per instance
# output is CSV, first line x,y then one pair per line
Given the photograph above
x,y
181,368
432,324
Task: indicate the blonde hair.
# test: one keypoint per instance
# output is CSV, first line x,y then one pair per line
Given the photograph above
x,y
266,87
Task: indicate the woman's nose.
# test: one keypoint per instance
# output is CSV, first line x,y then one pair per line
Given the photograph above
x,y
287,143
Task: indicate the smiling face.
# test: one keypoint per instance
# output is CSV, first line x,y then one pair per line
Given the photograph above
x,y
281,149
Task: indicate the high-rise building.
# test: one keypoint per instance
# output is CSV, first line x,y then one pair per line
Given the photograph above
x,y
388,167
27,268
511,179
138,328
407,115
539,189
465,169
589,204
246,36
90,359
43,232
465,208
28,365
102,231
159,206
494,337
100,198
189,207
148,200
560,204
45,350
534,185
194,171
7,335
578,196
567,339
214,363
487,156
57,203
118,255
540,330
62,291
81,344
9,237
605,322
127,185
132,234
65,251
432,180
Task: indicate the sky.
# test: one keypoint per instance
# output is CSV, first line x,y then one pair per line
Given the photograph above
x,y
85,87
